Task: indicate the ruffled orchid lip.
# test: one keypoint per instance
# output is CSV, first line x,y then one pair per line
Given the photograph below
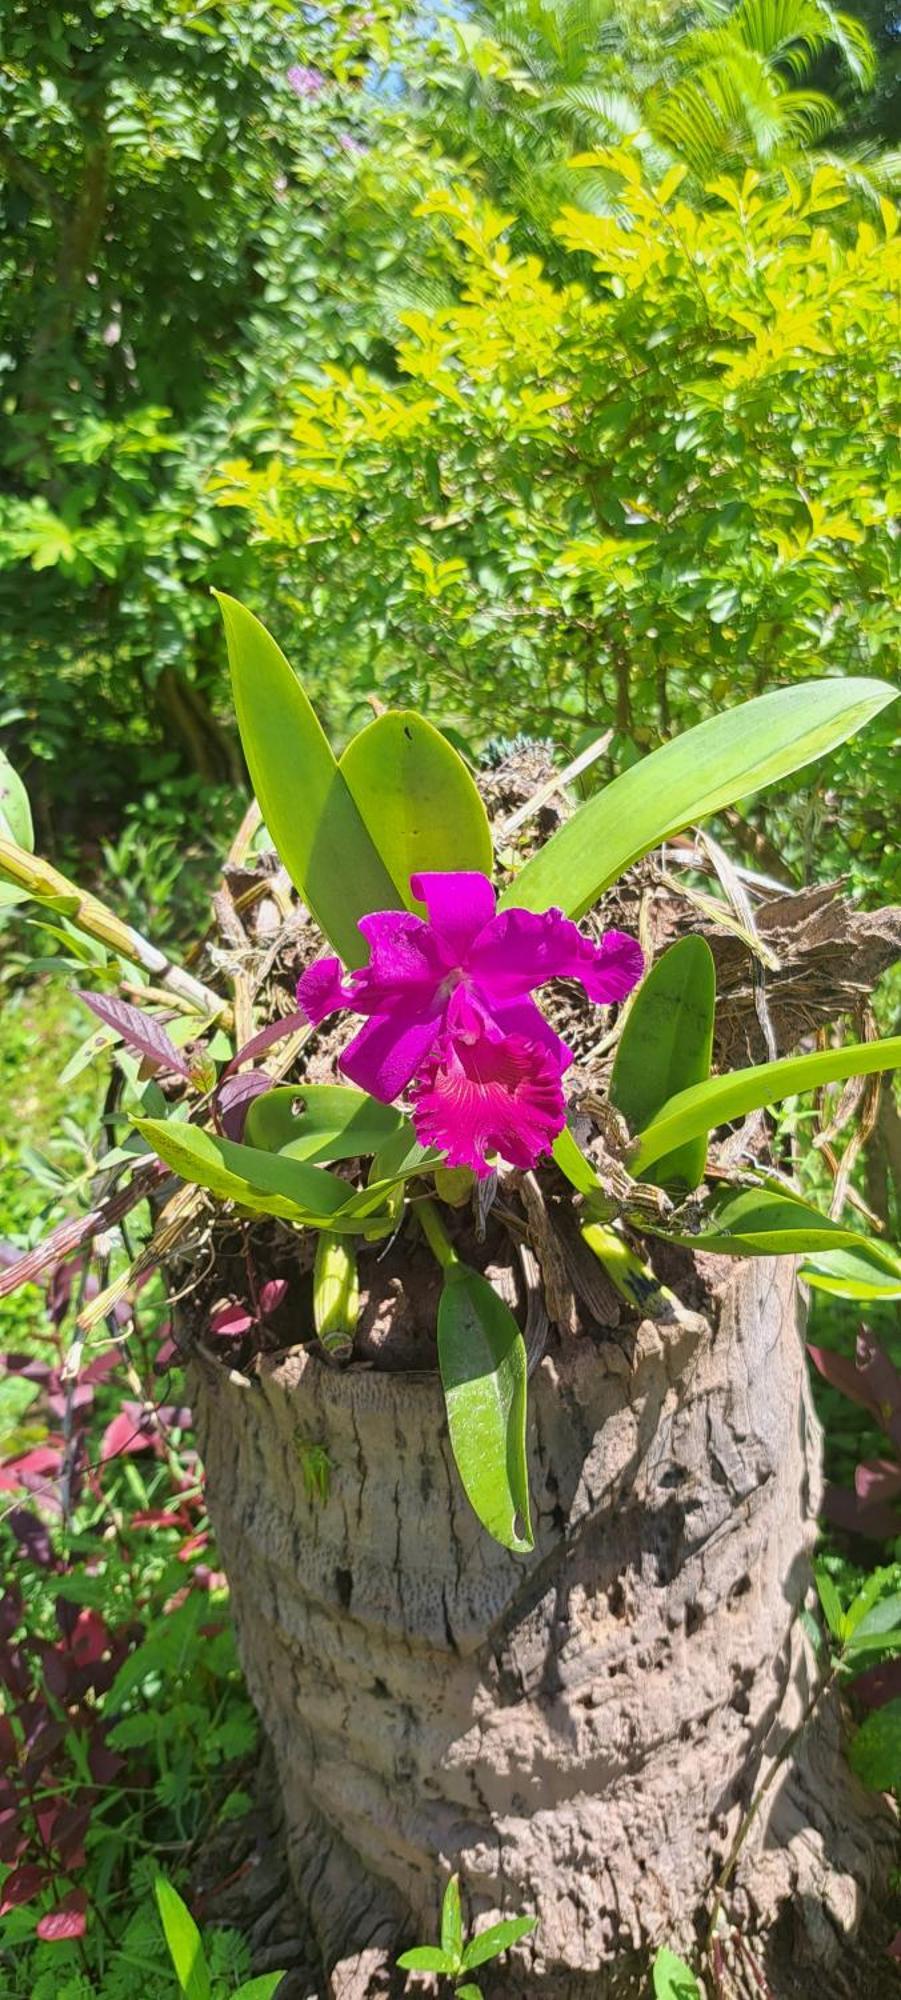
x,y
448,1009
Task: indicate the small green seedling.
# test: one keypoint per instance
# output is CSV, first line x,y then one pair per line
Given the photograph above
x,y
453,1958
189,1960
673,1979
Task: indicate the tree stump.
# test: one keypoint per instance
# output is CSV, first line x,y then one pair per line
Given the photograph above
x,y
579,1732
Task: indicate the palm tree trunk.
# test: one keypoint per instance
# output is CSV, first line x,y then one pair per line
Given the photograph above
x,y
579,1733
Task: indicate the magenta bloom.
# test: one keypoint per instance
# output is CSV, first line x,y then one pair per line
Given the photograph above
x,y
451,1019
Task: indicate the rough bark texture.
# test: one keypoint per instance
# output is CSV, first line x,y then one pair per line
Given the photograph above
x,y
580,1732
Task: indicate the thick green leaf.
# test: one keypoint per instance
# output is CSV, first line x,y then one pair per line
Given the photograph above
x,y
184,1941
482,1357
416,800
870,1271
15,824
723,1098
728,757
304,800
320,1121
265,1181
571,1160
764,1222
665,1046
875,1753
497,1938
261,1988
452,1921
673,1979
426,1958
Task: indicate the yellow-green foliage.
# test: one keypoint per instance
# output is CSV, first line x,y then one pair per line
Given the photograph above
x,y
673,473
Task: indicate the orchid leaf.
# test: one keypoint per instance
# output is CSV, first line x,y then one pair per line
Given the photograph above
x,y
673,1979
572,1162
416,800
666,1046
765,1222
320,1122
314,822
866,1271
722,1098
267,1182
482,1358
728,757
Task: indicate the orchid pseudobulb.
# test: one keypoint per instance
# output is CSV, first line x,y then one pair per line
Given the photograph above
x,y
451,1021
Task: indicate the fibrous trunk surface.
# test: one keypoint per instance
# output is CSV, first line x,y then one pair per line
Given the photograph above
x,y
580,1732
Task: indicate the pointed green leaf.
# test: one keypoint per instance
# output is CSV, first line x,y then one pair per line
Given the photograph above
x,y
264,1181
571,1160
303,798
482,1358
497,1938
452,1922
15,824
765,1222
184,1941
726,758
320,1122
416,799
426,1958
869,1271
261,1988
723,1098
665,1046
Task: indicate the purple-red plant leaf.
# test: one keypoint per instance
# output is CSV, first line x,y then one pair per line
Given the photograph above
x,y
139,1031
234,1095
68,1920
878,1684
22,1886
277,1031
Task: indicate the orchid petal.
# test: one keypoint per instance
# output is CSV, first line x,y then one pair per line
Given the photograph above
x,y
459,905
405,956
521,949
388,1051
321,990
491,1094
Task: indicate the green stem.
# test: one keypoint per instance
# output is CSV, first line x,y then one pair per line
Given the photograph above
x,y
436,1235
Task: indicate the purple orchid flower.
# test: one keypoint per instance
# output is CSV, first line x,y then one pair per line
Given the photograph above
x,y
451,1018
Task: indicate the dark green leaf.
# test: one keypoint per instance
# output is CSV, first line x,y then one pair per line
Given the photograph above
x,y
482,1357
416,800
665,1047
728,757
305,803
